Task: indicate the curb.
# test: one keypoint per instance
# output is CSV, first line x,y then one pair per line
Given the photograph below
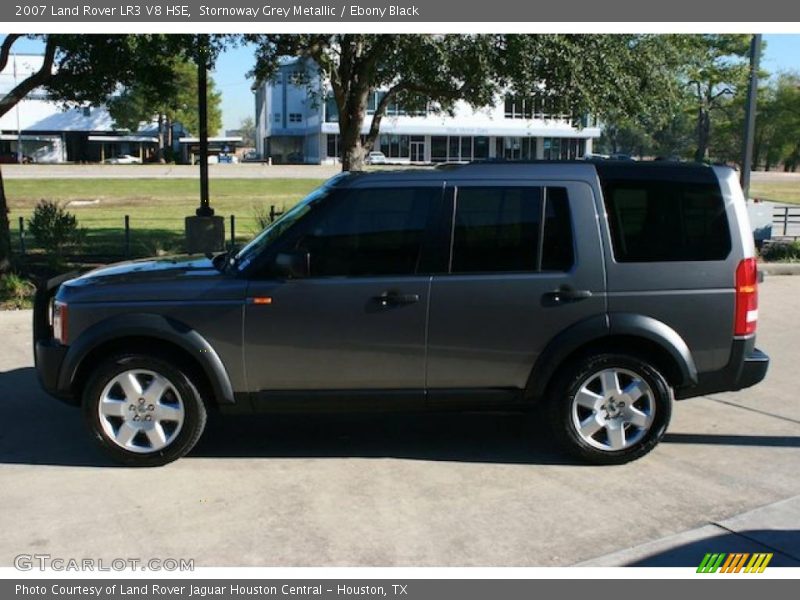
x,y
777,268
769,528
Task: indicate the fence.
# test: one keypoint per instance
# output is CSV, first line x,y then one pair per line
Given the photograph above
x,y
132,236
786,221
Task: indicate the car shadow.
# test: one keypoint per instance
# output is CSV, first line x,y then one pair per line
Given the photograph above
x,y
48,432
784,544
39,430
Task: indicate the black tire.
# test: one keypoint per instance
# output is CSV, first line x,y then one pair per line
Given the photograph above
x,y
563,411
194,410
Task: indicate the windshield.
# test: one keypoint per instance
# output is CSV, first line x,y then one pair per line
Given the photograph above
x,y
280,225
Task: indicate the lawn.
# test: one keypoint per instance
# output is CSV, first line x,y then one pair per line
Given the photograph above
x,y
156,207
776,191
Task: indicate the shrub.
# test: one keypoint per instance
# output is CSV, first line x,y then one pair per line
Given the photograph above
x,y
54,228
16,291
782,252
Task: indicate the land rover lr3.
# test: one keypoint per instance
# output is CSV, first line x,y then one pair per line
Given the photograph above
x,y
591,293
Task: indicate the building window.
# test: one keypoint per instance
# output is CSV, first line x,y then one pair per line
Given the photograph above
x,y
276,117
333,146
295,118
331,110
439,148
564,148
515,148
481,148
394,146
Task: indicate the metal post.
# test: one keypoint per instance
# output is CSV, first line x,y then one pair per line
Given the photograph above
x,y
127,236
750,116
233,231
785,219
204,210
22,236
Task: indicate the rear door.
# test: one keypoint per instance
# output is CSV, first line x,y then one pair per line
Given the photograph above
x,y
525,263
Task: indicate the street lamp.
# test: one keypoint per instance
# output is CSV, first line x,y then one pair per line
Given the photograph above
x,y
750,114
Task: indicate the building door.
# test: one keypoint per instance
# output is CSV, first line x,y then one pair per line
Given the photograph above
x,y
417,151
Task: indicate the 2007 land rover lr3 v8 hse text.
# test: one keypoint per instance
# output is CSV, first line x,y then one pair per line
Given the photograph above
x,y
593,293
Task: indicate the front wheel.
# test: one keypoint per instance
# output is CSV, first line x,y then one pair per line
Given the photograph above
x,y
610,408
143,411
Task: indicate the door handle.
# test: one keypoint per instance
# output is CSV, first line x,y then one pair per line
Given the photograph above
x,y
392,298
566,294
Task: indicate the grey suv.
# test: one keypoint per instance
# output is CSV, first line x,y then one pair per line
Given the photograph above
x,y
592,293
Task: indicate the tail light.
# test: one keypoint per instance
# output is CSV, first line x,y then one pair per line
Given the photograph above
x,y
746,315
60,322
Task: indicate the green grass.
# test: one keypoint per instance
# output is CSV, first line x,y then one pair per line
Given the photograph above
x,y
157,207
776,191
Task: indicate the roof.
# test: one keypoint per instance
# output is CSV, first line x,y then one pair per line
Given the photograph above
x,y
567,170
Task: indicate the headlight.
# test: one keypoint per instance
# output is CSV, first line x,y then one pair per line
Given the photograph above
x,y
60,322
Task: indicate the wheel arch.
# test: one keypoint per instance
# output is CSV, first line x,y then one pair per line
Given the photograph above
x,y
139,332
641,335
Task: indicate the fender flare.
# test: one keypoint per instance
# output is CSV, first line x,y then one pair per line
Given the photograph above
x,y
150,326
597,328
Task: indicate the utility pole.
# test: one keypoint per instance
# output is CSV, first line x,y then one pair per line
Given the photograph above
x,y
750,114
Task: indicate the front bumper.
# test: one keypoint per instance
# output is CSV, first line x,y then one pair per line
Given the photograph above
x,y
49,356
747,366
48,353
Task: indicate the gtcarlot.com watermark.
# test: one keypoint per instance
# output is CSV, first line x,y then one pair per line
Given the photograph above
x,y
45,562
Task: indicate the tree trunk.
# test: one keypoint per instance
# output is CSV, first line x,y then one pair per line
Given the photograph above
x,y
5,232
703,132
350,121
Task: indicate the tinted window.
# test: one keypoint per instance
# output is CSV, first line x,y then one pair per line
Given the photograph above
x,y
557,249
498,229
370,232
666,221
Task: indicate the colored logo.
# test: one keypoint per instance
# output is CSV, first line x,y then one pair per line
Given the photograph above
x,y
734,562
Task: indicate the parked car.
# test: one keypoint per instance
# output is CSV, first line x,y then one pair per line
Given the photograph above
x,y
376,158
124,159
12,158
588,293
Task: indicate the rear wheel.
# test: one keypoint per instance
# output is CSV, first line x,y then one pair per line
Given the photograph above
x,y
609,409
143,411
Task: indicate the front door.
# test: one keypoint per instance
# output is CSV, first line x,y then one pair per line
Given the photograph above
x,y
358,321
518,276
417,151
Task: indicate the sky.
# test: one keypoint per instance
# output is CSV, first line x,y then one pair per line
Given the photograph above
x,y
782,53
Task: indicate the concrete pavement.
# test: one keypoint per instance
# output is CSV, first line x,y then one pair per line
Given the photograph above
x,y
387,490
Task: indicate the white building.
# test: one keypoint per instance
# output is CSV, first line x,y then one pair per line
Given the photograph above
x,y
297,122
46,132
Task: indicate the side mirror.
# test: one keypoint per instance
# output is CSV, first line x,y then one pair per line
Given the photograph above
x,y
294,265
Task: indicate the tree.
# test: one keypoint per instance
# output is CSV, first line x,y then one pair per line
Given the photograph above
x,y
247,129
82,69
577,74
716,69
173,100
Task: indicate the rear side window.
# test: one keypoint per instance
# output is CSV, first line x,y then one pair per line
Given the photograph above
x,y
511,229
663,221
